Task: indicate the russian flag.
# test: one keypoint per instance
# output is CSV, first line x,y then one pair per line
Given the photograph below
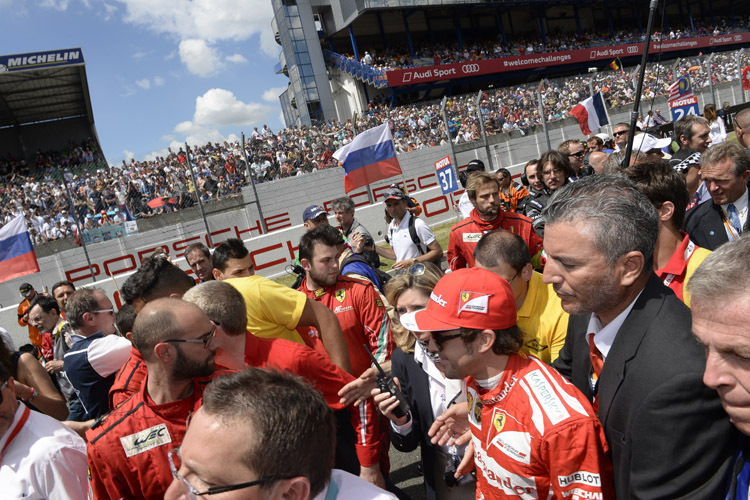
x,y
590,113
368,158
17,256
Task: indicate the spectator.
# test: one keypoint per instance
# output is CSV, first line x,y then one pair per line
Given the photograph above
x,y
97,353
720,323
411,239
464,204
42,458
511,193
555,171
600,238
28,293
725,170
717,129
343,209
292,454
61,291
742,128
198,258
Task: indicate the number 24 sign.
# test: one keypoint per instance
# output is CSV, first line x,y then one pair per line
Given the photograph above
x,y
446,176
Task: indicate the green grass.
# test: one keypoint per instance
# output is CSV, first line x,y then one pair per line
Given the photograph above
x,y
441,232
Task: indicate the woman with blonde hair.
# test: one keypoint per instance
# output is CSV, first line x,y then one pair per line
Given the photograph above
x,y
428,392
717,130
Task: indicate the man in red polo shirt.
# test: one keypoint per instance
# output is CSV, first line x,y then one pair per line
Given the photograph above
x,y
483,190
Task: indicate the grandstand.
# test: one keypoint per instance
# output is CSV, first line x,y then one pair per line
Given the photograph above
x,y
44,105
340,56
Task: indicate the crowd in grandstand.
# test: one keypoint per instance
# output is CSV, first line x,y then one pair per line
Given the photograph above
x,y
104,196
433,53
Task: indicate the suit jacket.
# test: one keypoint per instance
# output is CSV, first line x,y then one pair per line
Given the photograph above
x,y
706,227
415,386
668,433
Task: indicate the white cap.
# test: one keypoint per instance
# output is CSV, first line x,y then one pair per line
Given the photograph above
x,y
604,137
647,142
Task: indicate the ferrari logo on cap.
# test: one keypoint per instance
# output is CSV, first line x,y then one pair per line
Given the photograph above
x,y
474,302
340,295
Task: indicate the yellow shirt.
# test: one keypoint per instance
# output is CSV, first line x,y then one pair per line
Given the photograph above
x,y
273,310
542,320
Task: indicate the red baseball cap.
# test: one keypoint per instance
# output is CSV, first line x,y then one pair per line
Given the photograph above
x,y
467,298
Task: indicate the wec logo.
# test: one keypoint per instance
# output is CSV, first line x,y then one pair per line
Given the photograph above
x,y
145,440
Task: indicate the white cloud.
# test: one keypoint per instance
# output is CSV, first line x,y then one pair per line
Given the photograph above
x,y
272,95
129,155
109,11
159,81
144,84
55,4
221,108
236,58
139,55
199,58
211,20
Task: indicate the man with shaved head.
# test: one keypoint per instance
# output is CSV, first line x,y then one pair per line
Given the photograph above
x,y
127,450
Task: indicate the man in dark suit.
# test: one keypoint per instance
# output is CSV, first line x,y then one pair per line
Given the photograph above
x,y
629,346
721,322
725,169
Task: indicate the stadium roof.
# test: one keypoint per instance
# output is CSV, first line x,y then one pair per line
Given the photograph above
x,y
43,86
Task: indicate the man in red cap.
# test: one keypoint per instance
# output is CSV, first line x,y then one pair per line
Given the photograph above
x,y
534,435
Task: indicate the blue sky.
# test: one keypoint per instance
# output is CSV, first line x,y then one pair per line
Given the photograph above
x,y
160,71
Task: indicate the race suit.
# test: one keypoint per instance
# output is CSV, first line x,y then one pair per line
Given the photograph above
x,y
327,378
128,380
127,451
465,235
536,437
363,318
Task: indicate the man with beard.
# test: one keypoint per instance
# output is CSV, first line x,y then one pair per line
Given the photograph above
x,y
629,346
487,216
198,257
127,450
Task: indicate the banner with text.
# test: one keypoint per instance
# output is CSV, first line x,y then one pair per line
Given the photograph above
x,y
409,76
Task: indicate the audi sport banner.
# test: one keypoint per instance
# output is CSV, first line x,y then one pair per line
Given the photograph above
x,y
424,74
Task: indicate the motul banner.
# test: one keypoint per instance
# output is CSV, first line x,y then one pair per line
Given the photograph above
x,y
424,74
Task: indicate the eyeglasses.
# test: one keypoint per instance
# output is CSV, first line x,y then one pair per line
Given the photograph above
x,y
617,134
554,171
192,493
579,154
514,276
413,270
440,340
104,311
204,339
3,386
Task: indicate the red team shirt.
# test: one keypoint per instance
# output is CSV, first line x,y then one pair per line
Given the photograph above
x,y
465,235
363,318
536,437
128,380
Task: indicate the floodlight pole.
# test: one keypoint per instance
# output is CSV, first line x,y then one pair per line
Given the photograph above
x,y
541,112
198,195
484,132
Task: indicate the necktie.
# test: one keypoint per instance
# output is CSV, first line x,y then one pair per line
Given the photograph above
x,y
734,217
597,363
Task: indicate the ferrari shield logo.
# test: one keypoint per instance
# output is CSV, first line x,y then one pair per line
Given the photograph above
x,y
464,296
498,421
340,295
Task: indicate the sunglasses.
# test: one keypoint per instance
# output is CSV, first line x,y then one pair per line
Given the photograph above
x,y
579,154
617,134
413,270
442,339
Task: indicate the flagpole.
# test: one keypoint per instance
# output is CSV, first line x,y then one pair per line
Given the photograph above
x,y
636,104
251,178
78,227
356,133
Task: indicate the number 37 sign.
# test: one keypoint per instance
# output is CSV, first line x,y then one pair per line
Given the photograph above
x,y
446,176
